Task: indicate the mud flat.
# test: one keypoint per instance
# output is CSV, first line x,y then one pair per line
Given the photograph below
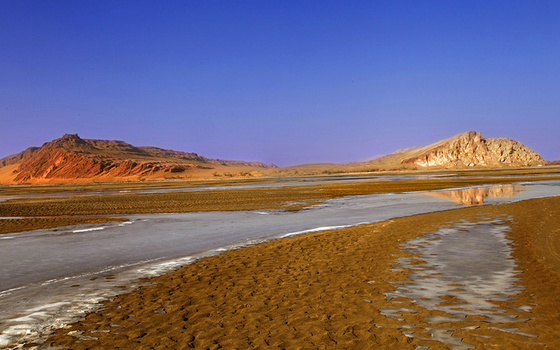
x,y
291,198
332,290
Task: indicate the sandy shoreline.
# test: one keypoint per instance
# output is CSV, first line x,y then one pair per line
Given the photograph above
x,y
324,290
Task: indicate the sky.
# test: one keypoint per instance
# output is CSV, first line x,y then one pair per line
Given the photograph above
x,y
284,82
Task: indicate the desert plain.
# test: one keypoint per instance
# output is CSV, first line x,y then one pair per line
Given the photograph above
x,y
333,289
279,175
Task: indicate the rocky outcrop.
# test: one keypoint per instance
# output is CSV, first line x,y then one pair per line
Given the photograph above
x,y
71,157
471,149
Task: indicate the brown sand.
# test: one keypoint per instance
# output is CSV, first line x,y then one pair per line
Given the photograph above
x,y
312,292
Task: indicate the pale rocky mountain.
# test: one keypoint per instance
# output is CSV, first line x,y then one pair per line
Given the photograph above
x,y
471,149
73,159
463,151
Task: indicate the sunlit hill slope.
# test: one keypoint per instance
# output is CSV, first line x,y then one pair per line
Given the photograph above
x,y
73,159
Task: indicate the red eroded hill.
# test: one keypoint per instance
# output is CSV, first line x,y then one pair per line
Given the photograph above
x,y
73,159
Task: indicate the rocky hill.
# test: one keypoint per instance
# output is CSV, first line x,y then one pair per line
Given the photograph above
x,y
463,151
466,150
471,149
73,159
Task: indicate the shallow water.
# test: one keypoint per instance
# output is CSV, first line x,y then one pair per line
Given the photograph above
x,y
461,270
49,277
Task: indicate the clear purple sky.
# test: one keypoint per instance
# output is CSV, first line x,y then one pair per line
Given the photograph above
x,y
288,82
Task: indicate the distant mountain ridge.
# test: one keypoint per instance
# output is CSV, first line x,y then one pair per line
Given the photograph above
x,y
71,157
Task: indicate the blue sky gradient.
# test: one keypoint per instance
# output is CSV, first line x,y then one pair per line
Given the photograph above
x,y
288,82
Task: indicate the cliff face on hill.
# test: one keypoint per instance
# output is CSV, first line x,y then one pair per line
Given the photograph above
x,y
471,149
71,157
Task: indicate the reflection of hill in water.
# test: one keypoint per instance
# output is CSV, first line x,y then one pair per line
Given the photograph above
x,y
477,195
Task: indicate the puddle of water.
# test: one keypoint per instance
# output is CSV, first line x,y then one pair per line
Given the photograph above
x,y
459,273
